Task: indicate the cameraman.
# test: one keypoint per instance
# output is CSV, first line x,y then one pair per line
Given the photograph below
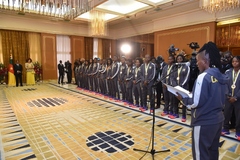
x,y
193,70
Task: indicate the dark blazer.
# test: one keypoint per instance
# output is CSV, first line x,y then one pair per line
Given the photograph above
x,y
17,69
60,68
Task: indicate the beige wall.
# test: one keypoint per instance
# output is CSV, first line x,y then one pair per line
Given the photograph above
x,y
182,36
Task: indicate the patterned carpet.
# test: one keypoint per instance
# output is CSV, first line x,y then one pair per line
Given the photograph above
x,y
50,122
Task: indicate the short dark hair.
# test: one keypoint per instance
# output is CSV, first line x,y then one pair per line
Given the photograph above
x,y
140,60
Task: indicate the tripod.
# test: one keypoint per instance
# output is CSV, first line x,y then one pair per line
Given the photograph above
x,y
152,151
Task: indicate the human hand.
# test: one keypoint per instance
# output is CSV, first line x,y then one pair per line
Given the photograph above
x,y
232,99
179,97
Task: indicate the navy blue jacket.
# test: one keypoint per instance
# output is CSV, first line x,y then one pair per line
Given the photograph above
x,y
208,98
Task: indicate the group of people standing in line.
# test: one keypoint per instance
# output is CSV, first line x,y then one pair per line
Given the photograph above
x,y
30,73
213,80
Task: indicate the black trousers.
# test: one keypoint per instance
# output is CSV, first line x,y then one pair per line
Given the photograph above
x,y
204,145
123,89
137,94
60,78
148,90
229,109
18,78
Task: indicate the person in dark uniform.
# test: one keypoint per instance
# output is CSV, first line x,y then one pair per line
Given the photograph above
x,y
18,73
68,69
207,103
85,75
90,77
167,79
102,76
108,76
60,72
137,82
180,78
226,61
95,68
121,77
158,84
193,70
81,70
233,98
114,78
148,71
129,81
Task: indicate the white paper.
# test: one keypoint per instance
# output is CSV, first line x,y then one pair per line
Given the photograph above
x,y
183,92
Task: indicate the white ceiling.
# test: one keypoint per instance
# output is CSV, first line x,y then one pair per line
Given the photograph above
x,y
118,11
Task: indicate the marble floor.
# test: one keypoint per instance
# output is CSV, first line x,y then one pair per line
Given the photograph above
x,y
51,121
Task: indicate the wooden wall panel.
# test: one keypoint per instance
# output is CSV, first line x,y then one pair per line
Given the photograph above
x,y
77,47
113,48
180,37
49,56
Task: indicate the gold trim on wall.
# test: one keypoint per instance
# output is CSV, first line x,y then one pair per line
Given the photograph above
x,y
188,30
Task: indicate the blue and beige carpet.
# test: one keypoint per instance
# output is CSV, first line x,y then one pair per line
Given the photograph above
x,y
51,122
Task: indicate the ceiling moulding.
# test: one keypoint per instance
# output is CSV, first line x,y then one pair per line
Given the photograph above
x,y
33,25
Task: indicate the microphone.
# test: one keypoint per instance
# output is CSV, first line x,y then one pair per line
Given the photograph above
x,y
179,64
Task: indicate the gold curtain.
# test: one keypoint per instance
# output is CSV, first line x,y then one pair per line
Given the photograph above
x,y
100,50
88,48
15,43
1,53
106,43
35,46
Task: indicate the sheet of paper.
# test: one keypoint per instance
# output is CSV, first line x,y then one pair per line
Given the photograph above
x,y
183,92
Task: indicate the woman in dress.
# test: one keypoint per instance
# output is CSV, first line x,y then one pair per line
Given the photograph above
x,y
30,72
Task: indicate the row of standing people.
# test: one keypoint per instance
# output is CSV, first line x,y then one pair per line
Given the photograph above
x,y
110,77
136,79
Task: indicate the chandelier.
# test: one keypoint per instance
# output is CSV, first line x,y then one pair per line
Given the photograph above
x,y
214,6
67,9
98,24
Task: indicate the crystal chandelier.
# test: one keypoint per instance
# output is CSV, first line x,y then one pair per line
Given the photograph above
x,y
214,6
98,26
67,9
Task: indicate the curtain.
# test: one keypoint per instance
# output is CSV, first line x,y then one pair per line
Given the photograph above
x,y
88,47
1,53
100,51
106,44
35,47
96,47
63,50
17,44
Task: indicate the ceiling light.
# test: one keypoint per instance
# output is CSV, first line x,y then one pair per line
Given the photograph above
x,y
214,6
67,9
228,22
98,25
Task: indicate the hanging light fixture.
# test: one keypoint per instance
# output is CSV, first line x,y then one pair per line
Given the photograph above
x,y
67,9
214,6
98,24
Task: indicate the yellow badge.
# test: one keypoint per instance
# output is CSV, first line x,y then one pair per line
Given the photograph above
x,y
214,80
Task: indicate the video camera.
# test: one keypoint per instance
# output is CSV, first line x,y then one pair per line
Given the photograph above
x,y
193,45
172,50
